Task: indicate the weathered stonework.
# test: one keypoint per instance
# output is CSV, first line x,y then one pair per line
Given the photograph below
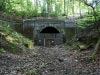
x,y
49,32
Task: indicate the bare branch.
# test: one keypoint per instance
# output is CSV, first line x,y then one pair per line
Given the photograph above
x,y
88,4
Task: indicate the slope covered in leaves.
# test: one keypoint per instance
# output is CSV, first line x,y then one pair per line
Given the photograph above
x,y
12,41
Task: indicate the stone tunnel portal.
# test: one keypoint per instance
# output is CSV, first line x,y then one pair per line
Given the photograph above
x,y
49,36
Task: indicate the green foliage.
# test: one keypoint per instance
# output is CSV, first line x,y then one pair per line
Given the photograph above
x,y
42,65
91,59
30,8
13,41
85,22
89,19
2,51
2,5
32,71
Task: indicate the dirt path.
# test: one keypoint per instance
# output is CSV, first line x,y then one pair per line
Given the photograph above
x,y
47,61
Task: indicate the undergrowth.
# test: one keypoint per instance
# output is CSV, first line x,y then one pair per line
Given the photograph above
x,y
12,41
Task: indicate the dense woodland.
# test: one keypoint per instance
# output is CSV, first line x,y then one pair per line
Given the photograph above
x,y
37,8
85,12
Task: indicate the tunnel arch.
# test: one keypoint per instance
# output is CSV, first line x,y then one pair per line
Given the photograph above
x,y
49,29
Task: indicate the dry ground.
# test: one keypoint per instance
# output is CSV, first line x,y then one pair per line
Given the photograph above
x,y
48,61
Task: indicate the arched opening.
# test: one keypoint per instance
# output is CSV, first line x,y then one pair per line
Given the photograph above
x,y
49,30
49,36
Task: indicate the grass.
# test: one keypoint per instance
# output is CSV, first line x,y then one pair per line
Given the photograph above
x,y
12,40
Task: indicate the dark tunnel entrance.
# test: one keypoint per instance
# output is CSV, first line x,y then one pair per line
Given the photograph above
x,y
49,30
49,36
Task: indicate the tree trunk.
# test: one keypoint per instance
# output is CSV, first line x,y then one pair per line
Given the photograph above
x,y
80,8
96,48
64,7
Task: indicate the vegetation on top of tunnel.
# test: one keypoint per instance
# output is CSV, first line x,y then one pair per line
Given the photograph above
x,y
12,41
89,20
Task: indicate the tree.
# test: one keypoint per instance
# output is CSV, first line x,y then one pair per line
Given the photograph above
x,y
93,4
64,7
2,5
80,7
27,8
